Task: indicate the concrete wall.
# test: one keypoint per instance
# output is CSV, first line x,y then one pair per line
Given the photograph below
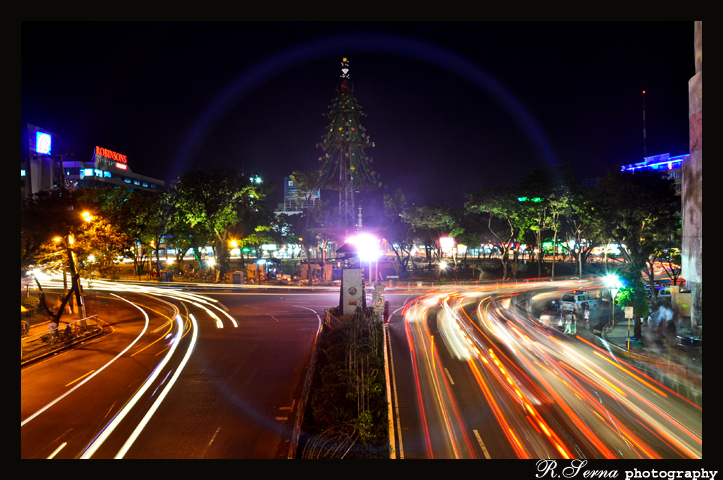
x,y
680,302
692,188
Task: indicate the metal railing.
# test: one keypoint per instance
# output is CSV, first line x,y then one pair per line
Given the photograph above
x,y
35,346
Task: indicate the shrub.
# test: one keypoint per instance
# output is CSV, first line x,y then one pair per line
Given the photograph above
x,y
30,303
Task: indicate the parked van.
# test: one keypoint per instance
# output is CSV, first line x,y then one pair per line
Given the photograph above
x,y
578,297
665,293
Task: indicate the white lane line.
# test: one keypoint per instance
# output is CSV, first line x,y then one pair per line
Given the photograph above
x,y
481,444
57,450
96,373
448,376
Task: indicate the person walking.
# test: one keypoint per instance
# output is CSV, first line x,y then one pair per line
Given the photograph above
x,y
386,312
586,311
570,326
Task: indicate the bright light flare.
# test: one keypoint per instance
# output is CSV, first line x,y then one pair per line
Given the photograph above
x,y
367,246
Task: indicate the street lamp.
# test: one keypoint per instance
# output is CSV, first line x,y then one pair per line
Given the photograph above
x,y
614,284
368,249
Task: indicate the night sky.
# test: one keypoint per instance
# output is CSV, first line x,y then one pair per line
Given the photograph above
x,y
452,107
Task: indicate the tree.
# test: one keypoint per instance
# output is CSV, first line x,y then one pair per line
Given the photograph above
x,y
397,232
99,244
473,233
308,185
132,213
344,164
580,223
635,210
430,223
327,219
43,216
217,202
501,203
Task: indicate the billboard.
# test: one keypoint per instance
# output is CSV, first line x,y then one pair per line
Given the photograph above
x,y
102,157
352,290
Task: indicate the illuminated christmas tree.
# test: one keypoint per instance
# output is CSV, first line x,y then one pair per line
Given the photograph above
x,y
345,167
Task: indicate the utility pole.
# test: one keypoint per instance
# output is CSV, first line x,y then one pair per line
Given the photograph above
x,y
645,140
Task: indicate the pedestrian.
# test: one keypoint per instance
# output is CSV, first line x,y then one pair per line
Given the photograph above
x,y
570,326
586,311
67,333
386,312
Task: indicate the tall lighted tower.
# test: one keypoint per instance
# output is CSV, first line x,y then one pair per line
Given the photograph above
x,y
345,166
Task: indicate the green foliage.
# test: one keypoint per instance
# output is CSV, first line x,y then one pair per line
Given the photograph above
x,y
44,215
220,205
349,386
31,303
331,406
636,298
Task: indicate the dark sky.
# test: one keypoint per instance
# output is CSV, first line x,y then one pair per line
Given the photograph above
x,y
451,106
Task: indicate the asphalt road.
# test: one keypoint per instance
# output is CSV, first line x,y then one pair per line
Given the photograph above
x,y
236,379
219,375
67,399
479,378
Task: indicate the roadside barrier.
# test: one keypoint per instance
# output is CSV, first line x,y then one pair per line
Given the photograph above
x,y
50,341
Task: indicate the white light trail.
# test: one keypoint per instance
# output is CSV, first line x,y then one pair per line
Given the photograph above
x,y
100,439
96,373
166,389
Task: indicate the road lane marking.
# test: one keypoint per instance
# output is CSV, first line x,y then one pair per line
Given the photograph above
x,y
448,376
57,450
387,338
213,438
79,378
96,373
481,444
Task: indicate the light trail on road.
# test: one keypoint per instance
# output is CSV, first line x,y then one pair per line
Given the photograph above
x,y
553,395
210,306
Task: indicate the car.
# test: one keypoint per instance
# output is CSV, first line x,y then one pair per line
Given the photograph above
x,y
665,293
548,316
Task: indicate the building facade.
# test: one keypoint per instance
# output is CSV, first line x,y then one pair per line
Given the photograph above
x,y
44,168
293,202
673,166
692,193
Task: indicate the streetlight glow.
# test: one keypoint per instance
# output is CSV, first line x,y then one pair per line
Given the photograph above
x,y
367,246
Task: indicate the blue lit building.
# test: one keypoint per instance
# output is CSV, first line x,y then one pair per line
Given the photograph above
x,y
49,163
661,163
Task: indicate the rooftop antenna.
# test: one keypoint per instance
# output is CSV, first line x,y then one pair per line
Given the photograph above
x,y
645,140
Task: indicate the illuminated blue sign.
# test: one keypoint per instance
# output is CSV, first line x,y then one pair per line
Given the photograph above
x,y
42,142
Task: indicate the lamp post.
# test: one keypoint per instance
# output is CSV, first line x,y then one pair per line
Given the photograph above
x,y
613,294
368,250
614,284
75,281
